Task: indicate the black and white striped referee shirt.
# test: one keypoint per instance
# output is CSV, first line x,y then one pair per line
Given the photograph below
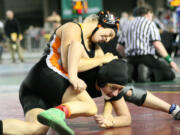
x,y
138,35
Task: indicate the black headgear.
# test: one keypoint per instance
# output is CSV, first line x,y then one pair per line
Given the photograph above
x,y
107,20
115,72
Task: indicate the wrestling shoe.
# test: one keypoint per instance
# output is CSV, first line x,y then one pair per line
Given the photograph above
x,y
55,118
175,111
177,116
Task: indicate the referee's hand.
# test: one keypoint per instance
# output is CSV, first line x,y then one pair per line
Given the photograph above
x,y
174,66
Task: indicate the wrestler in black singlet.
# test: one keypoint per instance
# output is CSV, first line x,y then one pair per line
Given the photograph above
x,y
44,88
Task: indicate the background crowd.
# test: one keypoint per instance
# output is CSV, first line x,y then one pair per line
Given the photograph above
x,y
34,38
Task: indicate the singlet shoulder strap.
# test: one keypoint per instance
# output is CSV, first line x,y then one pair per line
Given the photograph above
x,y
90,53
82,38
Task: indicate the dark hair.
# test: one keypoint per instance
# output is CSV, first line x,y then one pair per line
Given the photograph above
x,y
113,72
141,11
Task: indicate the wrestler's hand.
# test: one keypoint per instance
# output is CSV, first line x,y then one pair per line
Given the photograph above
x,y
108,57
174,66
78,84
104,122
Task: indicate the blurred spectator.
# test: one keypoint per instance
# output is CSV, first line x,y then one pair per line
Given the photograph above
x,y
177,39
54,21
12,31
168,21
178,18
123,19
159,24
166,37
140,39
121,48
165,22
33,34
1,39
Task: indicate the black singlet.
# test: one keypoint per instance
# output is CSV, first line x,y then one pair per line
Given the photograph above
x,y
90,76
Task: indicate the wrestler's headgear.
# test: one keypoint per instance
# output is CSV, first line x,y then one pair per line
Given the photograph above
x,y
115,72
107,20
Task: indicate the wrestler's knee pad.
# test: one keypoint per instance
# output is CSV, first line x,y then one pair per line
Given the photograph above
x,y
137,97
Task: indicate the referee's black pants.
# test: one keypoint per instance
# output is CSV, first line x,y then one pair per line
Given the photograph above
x,y
160,70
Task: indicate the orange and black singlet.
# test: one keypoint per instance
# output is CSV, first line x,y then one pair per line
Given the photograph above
x,y
45,84
53,52
53,56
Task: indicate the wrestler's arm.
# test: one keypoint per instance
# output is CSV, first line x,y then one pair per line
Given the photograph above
x,y
71,52
123,117
107,111
75,52
76,57
99,59
71,47
107,120
71,38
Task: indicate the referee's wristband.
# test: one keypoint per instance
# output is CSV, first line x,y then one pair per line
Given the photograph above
x,y
168,59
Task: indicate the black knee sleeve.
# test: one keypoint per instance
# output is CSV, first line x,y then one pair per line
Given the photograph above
x,y
138,95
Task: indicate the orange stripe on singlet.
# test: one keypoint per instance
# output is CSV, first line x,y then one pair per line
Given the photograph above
x,y
55,56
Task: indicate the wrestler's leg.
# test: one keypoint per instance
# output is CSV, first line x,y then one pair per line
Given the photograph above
x,y
156,103
153,102
74,104
161,105
80,104
30,126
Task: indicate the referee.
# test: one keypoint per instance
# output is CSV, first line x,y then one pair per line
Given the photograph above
x,y
139,41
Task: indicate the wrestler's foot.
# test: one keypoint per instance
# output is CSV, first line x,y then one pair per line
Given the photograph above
x,y
177,116
175,111
55,118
